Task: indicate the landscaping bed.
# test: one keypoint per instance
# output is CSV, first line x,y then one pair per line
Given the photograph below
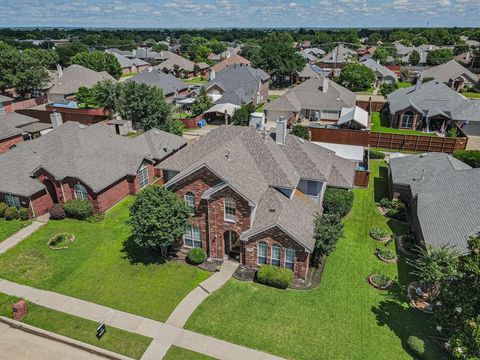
x,y
380,281
419,301
379,234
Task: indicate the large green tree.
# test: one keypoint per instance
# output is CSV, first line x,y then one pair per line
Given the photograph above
x,y
202,103
414,58
381,55
328,229
158,218
439,56
103,94
241,115
67,51
99,61
356,77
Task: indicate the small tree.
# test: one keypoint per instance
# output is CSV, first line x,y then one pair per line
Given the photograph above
x,y
356,77
328,229
301,131
387,88
202,103
381,55
158,218
414,58
241,116
99,61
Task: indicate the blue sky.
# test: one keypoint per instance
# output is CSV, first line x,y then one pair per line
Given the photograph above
x,y
239,13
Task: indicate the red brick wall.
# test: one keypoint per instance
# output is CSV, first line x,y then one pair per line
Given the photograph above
x,y
396,119
7,143
8,107
41,202
271,237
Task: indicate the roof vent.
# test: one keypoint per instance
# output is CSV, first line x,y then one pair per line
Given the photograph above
x,y
165,149
271,210
227,154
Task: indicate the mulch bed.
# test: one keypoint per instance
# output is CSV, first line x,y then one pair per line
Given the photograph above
x,y
53,247
379,287
402,248
211,265
244,274
417,301
383,239
314,277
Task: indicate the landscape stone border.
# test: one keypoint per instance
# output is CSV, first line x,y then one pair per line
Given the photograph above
x,y
383,239
379,287
411,296
388,261
71,239
401,248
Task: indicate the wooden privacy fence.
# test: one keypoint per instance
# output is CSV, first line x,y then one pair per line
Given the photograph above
x,y
400,142
340,136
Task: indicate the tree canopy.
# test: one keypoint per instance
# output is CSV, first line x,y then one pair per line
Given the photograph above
x,y
414,58
241,116
439,56
67,51
202,103
356,77
99,61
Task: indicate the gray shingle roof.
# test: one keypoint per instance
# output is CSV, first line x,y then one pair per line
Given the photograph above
x,y
126,62
377,67
174,59
433,98
75,76
309,95
72,150
448,196
339,54
4,98
448,71
8,131
167,82
240,83
16,119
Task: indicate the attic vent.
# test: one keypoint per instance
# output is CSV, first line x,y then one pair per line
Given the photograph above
x,y
227,154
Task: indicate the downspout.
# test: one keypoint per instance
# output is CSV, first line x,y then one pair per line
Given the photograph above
x,y
31,206
208,228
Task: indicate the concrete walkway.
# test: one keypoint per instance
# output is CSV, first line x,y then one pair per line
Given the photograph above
x,y
164,335
23,233
187,306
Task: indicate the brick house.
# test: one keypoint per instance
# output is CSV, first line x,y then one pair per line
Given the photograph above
x,y
171,86
254,195
89,163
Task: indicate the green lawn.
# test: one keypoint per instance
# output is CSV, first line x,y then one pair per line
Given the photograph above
x,y
382,125
471,95
177,353
366,92
116,340
261,107
402,85
199,80
344,318
103,265
10,227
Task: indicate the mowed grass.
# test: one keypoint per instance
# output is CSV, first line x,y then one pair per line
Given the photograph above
x,y
116,340
471,95
10,227
177,353
103,266
344,318
382,125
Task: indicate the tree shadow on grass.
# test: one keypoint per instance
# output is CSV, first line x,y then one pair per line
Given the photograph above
x,y
404,320
138,255
380,184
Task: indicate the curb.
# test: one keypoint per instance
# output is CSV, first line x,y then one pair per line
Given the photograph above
x,y
62,339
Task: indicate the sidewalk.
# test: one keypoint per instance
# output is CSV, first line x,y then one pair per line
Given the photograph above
x,y
23,233
187,306
164,335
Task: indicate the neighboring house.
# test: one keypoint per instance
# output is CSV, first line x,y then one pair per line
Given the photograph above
x,y
338,57
315,99
366,51
172,87
382,74
126,53
253,195
309,71
148,55
430,106
66,163
66,82
452,74
234,59
129,65
179,66
312,54
442,194
231,51
239,84
404,52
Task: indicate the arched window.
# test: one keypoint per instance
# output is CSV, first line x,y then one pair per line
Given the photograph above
x,y
262,253
289,258
80,192
407,119
143,176
230,209
276,249
190,200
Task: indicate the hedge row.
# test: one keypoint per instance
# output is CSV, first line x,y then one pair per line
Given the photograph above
x,y
275,276
469,157
11,212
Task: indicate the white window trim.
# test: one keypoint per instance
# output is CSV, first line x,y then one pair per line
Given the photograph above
x,y
258,252
143,176
225,217
13,200
191,230
293,262
193,208
81,191
279,255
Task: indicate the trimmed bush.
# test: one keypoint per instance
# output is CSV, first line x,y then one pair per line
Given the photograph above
x,y
398,210
301,131
275,276
11,213
469,157
385,203
56,212
377,154
417,346
78,209
23,214
337,201
196,256
3,207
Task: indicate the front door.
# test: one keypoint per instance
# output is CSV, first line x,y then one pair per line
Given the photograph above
x,y
231,244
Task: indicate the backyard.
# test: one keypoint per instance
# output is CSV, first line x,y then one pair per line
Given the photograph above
x,y
380,124
199,80
344,318
103,265
10,227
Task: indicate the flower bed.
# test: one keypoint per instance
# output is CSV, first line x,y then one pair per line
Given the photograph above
x,y
406,244
394,209
419,298
61,241
380,281
379,234
387,255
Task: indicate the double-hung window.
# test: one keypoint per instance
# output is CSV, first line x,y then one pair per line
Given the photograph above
x,y
80,192
193,237
12,200
407,119
190,200
276,255
262,253
230,209
289,258
143,176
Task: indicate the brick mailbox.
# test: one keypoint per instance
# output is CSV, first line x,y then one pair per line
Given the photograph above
x,y
19,310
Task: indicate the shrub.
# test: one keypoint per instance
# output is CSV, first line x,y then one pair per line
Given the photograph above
x,y
11,213
397,210
56,212
378,233
417,346
385,203
328,229
376,154
380,279
23,214
78,209
301,131
469,157
275,276
3,207
386,254
196,256
337,201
